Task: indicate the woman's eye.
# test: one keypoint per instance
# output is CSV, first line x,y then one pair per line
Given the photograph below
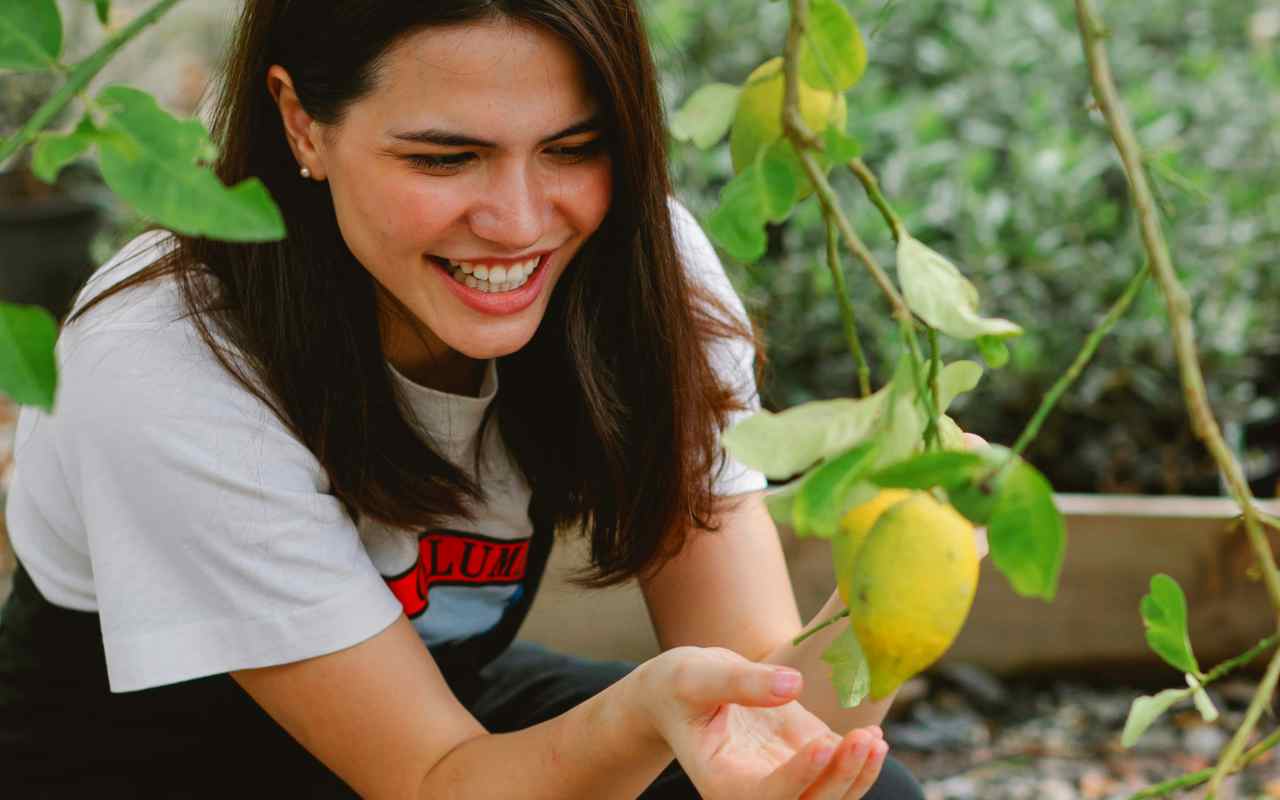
x,y
579,152
440,163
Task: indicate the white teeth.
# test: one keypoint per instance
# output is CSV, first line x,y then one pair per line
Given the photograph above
x,y
493,279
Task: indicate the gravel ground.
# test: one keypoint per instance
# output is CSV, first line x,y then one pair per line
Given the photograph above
x,y
966,735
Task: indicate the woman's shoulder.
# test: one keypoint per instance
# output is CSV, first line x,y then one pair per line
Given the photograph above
x,y
153,303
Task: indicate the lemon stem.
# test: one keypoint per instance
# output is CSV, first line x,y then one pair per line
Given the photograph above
x,y
820,626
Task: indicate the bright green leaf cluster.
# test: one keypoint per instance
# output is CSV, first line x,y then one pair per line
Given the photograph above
x,y
159,165
838,444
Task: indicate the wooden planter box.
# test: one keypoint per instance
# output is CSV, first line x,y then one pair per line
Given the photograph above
x,y
1115,544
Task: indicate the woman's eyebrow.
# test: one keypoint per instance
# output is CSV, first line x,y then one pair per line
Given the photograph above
x,y
444,138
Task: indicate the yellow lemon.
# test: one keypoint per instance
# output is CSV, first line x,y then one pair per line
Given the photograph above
x,y
854,528
757,123
916,576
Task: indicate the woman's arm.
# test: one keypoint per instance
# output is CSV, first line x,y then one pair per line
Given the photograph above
x,y
381,716
731,589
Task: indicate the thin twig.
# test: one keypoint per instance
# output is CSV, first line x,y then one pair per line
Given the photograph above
x,y
872,186
1196,778
79,78
1091,344
843,613
846,309
1203,422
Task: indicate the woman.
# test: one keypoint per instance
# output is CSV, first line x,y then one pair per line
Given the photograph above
x,y
282,529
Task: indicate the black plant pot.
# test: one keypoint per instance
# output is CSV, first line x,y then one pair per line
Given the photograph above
x,y
45,247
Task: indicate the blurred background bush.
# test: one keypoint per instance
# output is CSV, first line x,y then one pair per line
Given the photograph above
x,y
975,115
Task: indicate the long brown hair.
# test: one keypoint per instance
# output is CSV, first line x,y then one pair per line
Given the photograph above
x,y
612,410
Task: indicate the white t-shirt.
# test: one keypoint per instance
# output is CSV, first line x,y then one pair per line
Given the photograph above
x,y
168,499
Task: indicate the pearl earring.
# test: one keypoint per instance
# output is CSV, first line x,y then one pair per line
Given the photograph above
x,y
305,172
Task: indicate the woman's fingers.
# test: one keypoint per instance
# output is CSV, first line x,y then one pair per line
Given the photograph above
x,y
870,771
974,441
803,770
853,769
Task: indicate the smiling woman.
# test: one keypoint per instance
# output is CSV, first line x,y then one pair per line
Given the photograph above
x,y
297,496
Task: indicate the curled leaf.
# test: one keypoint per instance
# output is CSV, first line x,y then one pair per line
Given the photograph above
x,y
936,290
1146,710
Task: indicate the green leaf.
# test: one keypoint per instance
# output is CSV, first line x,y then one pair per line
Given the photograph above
x,y
829,491
850,672
30,34
1026,534
53,151
838,146
834,56
940,468
994,351
787,443
706,116
153,161
28,372
1146,710
950,433
777,180
957,378
976,498
1164,613
103,8
907,417
944,298
737,224
1208,711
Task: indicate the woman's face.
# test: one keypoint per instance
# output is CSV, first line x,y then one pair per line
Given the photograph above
x,y
465,182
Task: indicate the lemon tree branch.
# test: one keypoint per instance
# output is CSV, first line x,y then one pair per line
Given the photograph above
x,y
79,78
846,309
1203,422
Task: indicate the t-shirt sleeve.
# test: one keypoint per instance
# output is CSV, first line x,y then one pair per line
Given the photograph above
x,y
732,359
214,541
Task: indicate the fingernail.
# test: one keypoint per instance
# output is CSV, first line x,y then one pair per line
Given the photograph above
x,y
785,682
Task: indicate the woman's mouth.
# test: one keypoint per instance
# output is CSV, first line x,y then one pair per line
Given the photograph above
x,y
490,278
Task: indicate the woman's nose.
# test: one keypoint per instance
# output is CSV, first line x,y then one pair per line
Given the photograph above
x,y
515,212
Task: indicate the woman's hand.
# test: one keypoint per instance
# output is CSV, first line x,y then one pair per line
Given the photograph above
x,y
738,738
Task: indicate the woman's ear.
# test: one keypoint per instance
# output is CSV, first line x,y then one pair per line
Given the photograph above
x,y
302,131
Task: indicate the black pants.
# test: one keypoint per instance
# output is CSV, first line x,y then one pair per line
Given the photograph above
x,y
64,735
